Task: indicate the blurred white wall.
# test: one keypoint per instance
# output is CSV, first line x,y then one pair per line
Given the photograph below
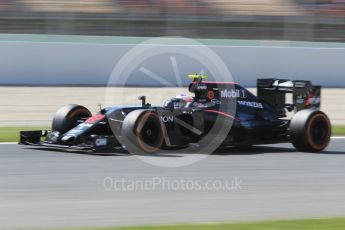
x,y
58,63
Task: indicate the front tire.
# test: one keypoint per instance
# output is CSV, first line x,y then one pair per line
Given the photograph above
x,y
66,118
310,130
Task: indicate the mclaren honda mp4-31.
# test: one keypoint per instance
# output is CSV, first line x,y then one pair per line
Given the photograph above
x,y
216,114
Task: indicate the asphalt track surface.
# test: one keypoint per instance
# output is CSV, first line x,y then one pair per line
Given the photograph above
x,y
40,188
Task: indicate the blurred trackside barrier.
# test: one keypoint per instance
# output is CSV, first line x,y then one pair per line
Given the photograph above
x,y
81,60
301,20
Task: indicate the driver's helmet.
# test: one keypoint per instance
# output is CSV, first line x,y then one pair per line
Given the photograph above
x,y
184,97
179,101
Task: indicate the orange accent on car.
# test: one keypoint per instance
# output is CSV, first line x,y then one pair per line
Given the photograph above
x,y
95,118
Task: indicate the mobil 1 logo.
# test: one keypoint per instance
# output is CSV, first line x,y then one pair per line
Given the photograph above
x,y
233,93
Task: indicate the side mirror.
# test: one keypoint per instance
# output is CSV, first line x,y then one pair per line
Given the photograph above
x,y
143,101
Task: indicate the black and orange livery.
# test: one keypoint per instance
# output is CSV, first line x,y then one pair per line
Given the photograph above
x,y
217,112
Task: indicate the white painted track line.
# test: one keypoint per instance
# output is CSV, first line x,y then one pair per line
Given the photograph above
x,y
340,137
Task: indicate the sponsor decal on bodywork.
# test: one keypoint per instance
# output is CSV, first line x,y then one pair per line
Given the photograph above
x,y
233,93
202,87
300,100
167,119
251,104
216,101
199,105
313,100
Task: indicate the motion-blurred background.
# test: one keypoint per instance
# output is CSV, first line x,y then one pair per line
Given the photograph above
x,y
304,20
49,58
254,38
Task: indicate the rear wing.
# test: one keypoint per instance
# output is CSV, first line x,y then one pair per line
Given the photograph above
x,y
304,95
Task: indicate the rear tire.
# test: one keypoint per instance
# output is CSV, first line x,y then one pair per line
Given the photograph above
x,y
310,130
142,132
66,118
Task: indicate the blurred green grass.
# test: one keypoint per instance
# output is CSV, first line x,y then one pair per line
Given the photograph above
x,y
307,224
11,134
338,130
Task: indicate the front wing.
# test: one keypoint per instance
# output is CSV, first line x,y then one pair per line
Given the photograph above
x,y
42,138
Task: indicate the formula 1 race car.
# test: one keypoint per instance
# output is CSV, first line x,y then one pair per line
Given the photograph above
x,y
217,114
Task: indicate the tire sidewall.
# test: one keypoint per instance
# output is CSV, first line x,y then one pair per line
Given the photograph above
x,y
66,117
315,146
301,126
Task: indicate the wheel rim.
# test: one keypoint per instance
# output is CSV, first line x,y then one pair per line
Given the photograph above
x,y
149,132
319,132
